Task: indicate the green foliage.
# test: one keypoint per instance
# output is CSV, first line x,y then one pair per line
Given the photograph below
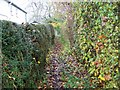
x,y
24,50
56,23
92,62
96,29
96,41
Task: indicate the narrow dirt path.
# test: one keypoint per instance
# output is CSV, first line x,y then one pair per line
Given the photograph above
x,y
54,68
58,68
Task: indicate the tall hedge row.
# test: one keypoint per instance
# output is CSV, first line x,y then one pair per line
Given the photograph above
x,y
24,50
96,41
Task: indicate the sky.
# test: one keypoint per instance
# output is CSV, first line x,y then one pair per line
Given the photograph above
x,y
8,12
17,15
20,3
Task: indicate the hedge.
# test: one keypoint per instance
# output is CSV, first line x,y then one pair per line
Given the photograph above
x,y
24,50
96,41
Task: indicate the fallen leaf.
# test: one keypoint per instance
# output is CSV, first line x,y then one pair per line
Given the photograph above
x,y
101,78
38,62
102,36
107,77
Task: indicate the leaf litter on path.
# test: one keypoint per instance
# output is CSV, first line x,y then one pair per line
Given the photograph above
x,y
61,66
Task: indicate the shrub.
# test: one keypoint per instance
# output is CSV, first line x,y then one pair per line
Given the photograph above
x,y
96,41
24,50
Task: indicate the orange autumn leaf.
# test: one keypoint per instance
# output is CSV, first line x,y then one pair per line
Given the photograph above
x,y
107,77
97,63
101,36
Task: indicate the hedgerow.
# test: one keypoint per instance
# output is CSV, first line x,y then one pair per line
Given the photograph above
x,y
96,41
24,50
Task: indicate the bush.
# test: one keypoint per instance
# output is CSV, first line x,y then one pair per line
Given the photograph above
x,y
24,50
96,41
